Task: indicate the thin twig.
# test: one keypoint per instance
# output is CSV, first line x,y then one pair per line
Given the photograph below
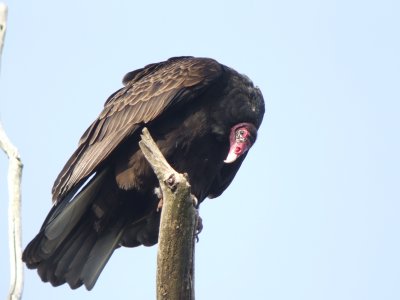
x,y
3,25
14,216
14,188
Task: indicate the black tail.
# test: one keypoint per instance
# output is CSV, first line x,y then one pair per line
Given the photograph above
x,y
77,237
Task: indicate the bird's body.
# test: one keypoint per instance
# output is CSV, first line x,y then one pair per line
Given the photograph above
x,y
198,111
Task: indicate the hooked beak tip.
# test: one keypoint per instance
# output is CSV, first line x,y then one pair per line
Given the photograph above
x,y
230,158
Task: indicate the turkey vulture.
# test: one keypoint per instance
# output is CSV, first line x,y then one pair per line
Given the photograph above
x,y
203,116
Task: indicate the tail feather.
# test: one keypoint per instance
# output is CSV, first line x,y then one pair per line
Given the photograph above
x,y
70,248
72,276
99,256
83,239
61,220
62,225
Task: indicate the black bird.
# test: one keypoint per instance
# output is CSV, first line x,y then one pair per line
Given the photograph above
x,y
204,118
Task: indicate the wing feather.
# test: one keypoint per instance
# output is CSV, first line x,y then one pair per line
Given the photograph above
x,y
147,93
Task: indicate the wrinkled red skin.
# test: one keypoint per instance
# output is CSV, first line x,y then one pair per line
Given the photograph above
x,y
241,139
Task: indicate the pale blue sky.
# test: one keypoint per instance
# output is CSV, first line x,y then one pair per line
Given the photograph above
x,y
313,213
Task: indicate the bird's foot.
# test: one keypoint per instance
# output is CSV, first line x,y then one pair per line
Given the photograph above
x,y
194,200
199,225
199,221
158,193
159,205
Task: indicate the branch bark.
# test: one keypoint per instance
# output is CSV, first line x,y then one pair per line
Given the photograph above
x,y
3,25
14,216
14,189
175,258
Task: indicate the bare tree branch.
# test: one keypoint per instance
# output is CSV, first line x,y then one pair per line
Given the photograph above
x,y
175,258
14,188
3,25
14,216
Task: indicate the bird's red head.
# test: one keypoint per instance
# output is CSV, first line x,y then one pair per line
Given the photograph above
x,y
241,138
